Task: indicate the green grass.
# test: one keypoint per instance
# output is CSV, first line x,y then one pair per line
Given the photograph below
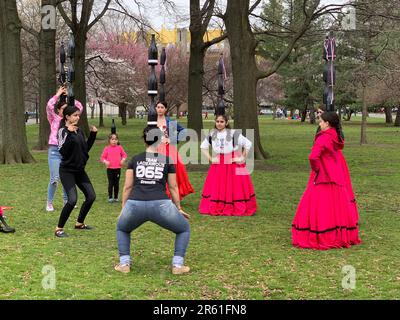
x,y
230,257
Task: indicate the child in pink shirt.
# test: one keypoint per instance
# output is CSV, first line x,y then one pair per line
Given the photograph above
x,y
113,157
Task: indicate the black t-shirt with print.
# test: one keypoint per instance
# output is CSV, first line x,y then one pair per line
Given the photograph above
x,y
150,171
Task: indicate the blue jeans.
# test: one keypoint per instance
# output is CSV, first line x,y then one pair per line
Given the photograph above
x,y
162,212
54,159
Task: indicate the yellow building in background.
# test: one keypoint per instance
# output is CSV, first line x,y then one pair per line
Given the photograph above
x,y
181,37
178,37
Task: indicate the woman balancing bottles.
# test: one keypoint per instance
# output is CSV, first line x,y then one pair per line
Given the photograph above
x,y
327,215
171,134
228,189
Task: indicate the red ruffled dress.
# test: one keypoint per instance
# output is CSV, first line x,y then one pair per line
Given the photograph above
x,y
171,150
327,215
228,189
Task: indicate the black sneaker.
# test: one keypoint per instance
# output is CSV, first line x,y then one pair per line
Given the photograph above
x,y
83,227
7,229
61,234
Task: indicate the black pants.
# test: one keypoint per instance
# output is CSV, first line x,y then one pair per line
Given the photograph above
x,y
69,181
113,176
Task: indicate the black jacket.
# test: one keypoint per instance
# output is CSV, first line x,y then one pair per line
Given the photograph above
x,y
74,149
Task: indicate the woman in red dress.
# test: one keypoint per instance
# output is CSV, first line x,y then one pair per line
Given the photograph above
x,y
171,130
228,190
327,215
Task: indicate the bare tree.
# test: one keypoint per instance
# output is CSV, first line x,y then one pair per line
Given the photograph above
x,y
80,28
13,142
199,22
243,44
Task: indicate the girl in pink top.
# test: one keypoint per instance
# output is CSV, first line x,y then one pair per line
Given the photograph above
x,y
113,157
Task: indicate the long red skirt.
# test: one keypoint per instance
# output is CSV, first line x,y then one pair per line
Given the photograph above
x,y
326,217
228,191
182,178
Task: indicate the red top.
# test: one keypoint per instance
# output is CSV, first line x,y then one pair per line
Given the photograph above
x,y
326,158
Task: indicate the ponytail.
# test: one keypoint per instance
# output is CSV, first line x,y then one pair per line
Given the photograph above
x,y
334,122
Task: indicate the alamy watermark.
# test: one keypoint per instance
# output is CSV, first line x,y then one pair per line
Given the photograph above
x,y
49,279
231,147
49,15
349,280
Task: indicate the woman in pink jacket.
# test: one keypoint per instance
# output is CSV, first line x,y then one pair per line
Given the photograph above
x,y
327,215
54,112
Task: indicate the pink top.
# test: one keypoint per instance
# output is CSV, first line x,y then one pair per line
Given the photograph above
x,y
55,119
114,155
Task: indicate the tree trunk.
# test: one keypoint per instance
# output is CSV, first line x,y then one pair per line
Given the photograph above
x,y
47,78
132,111
196,72
122,111
388,115
13,142
312,116
397,121
80,84
101,119
244,70
363,139
304,114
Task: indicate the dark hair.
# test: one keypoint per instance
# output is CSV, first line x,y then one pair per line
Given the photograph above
x,y
152,136
60,102
164,103
333,119
69,110
214,133
113,134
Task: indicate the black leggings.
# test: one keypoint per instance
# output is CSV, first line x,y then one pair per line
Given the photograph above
x,y
113,182
69,181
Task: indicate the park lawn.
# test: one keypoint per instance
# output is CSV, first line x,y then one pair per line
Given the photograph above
x,y
230,257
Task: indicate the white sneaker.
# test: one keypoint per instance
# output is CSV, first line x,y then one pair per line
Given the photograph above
x,y
49,207
180,270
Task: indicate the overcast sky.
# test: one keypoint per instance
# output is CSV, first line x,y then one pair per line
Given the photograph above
x,y
159,16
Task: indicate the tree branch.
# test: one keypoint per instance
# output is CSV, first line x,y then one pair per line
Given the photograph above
x,y
254,6
215,40
65,17
99,16
30,30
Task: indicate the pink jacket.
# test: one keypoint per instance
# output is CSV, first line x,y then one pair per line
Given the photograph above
x,y
326,158
114,155
54,119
